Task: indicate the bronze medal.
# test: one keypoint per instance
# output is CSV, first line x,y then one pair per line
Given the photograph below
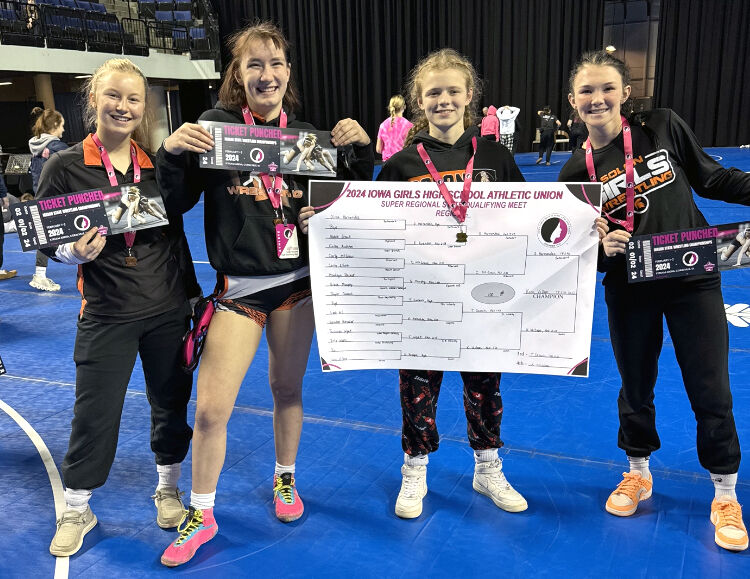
x,y
278,221
461,237
130,259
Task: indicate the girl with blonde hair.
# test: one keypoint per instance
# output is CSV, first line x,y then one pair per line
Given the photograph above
x,y
393,130
134,290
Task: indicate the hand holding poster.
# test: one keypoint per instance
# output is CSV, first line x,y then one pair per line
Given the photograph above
x,y
398,283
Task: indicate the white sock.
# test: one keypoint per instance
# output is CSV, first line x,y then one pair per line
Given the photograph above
x,y
77,499
486,455
41,272
418,460
724,485
640,464
281,469
202,502
169,475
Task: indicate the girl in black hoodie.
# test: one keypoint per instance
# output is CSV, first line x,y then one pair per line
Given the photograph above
x,y
259,285
443,88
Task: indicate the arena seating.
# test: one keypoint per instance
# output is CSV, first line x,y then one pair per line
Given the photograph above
x,y
112,26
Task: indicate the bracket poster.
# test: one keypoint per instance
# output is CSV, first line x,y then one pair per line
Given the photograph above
x,y
399,283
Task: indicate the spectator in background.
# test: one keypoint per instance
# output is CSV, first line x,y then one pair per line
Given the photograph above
x,y
393,130
549,125
577,131
507,116
490,125
47,128
4,274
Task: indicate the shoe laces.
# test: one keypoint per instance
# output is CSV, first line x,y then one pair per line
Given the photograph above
x,y
730,514
284,488
71,517
410,485
193,519
630,485
167,493
495,474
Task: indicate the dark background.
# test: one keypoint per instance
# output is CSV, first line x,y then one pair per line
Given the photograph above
x,y
703,67
350,56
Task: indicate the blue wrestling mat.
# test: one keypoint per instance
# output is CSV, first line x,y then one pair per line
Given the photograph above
x,y
561,454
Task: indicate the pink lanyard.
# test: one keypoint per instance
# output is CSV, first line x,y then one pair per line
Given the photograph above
x,y
273,189
458,210
129,235
627,139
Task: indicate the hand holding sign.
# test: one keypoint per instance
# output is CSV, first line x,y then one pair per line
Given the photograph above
x,y
89,245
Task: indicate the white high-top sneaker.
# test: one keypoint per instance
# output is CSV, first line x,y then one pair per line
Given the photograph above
x,y
490,481
413,490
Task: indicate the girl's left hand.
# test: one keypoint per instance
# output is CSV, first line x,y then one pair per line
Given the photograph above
x,y
303,218
602,227
348,131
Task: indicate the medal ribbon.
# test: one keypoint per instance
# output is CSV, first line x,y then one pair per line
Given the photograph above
x,y
272,188
627,139
458,209
129,235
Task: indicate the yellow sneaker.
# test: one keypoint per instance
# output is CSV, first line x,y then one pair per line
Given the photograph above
x,y
726,515
633,489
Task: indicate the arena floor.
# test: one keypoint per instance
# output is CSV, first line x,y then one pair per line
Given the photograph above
x,y
560,452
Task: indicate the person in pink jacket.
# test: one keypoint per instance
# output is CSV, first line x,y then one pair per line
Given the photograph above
x,y
490,126
393,130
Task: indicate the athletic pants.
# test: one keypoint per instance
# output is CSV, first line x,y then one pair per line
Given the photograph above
x,y
546,142
41,259
104,356
507,140
694,311
2,239
419,396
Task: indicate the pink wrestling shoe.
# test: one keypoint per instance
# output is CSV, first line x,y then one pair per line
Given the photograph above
x,y
288,505
199,528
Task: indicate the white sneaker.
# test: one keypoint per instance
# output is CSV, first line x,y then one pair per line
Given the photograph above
x,y
490,481
44,284
413,490
71,528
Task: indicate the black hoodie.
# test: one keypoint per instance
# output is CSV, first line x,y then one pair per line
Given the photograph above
x,y
493,161
240,234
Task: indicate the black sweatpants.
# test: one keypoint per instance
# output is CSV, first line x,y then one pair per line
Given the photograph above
x,y
2,239
694,311
104,356
483,406
546,142
41,259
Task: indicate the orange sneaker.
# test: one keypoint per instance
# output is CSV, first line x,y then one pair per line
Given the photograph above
x,y
726,515
633,489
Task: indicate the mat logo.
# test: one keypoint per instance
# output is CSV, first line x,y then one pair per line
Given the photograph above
x,y
738,315
650,173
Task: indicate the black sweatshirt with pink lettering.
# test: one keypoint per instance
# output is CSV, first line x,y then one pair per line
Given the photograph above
x,y
668,161
238,216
